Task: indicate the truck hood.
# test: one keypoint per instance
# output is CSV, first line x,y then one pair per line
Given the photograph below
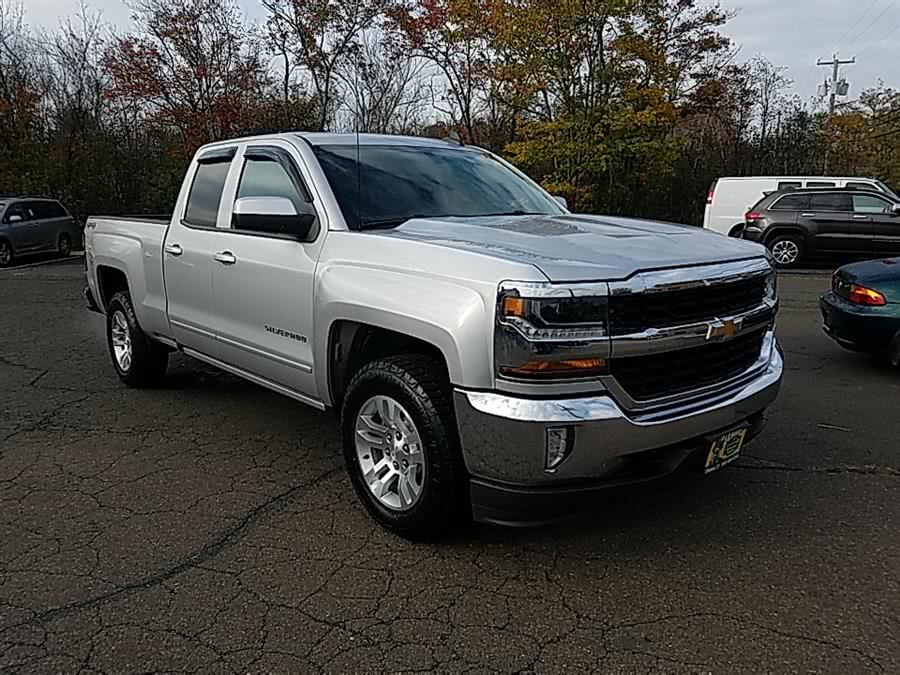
x,y
580,248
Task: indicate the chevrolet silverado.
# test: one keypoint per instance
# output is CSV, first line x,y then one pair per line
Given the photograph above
x,y
491,355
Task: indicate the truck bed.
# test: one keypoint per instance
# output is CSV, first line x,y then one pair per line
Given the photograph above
x,y
131,246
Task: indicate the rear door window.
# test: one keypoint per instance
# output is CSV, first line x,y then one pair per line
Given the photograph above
x,y
834,201
206,193
792,203
55,210
789,184
36,210
869,204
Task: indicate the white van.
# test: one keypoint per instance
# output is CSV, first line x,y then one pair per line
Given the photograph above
x,y
731,197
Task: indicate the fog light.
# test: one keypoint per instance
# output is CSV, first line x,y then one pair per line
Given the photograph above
x,y
559,444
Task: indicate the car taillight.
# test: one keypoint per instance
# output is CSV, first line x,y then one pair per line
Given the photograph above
x,y
750,216
709,197
860,295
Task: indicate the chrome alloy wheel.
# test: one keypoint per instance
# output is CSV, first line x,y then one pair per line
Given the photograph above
x,y
121,341
390,454
785,252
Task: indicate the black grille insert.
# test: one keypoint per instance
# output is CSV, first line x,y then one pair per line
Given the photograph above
x,y
657,375
638,312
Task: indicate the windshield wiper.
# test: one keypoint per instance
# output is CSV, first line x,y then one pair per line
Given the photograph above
x,y
399,220
517,212
391,222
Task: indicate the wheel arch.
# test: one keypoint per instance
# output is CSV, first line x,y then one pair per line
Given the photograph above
x,y
787,230
111,280
433,314
353,344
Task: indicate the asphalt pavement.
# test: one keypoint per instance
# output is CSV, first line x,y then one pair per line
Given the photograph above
x,y
208,526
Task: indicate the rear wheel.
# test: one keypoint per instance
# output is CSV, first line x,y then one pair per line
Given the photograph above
x,y
786,249
401,446
64,245
138,360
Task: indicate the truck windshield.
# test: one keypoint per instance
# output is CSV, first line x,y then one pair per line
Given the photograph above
x,y
399,182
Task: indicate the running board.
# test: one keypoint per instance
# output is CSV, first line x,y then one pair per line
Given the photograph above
x,y
255,379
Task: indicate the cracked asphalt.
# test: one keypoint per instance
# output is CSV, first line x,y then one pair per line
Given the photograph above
x,y
208,526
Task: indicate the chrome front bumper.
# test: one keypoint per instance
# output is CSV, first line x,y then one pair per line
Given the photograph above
x,y
504,438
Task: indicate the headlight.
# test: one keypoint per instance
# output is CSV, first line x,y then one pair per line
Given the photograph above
x,y
772,286
551,332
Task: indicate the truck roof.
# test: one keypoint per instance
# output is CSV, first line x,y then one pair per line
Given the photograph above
x,y
327,138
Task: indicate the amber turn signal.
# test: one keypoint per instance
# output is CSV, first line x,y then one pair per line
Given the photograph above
x,y
552,369
513,306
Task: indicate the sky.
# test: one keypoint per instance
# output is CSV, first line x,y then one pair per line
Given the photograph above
x,y
791,33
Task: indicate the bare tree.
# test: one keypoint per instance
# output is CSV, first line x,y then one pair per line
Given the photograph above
x,y
384,90
321,34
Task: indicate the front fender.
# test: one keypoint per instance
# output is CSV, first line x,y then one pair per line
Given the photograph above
x,y
454,318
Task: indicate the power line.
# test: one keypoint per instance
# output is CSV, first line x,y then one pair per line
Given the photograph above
x,y
856,23
883,37
872,23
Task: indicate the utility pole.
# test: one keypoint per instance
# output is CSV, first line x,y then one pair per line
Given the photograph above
x,y
835,87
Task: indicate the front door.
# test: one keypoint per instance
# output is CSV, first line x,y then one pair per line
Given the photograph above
x,y
19,228
188,255
263,282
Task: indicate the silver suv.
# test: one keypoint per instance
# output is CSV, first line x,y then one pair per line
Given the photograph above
x,y
30,225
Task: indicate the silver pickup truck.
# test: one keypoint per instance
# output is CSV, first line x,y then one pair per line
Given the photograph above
x,y
492,355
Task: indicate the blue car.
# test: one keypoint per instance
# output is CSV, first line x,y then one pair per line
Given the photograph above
x,y
862,309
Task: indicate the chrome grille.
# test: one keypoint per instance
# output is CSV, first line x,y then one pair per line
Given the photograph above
x,y
652,376
637,312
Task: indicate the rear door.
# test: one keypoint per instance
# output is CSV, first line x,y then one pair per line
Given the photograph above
x,y
828,218
188,254
263,281
885,227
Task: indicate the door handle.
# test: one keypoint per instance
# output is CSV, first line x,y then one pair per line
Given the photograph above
x,y
861,217
174,249
807,215
225,257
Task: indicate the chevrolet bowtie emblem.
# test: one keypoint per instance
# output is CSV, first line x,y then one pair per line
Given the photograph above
x,y
722,330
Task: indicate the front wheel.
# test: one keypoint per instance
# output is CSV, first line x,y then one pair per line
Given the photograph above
x,y
401,447
786,249
138,360
6,253
893,351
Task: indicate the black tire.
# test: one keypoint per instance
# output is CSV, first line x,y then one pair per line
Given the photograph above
x,y
794,239
148,358
893,351
6,253
64,245
420,384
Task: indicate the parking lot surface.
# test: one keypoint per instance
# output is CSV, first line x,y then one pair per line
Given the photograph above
x,y
208,526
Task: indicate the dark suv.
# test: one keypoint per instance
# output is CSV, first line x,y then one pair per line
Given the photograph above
x,y
31,225
796,224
